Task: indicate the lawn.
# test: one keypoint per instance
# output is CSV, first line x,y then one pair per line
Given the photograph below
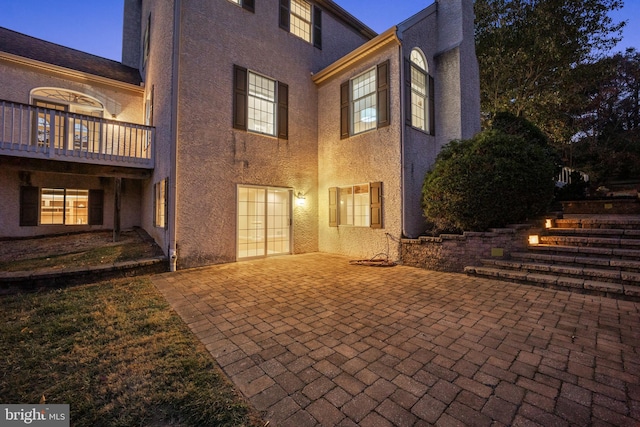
x,y
117,354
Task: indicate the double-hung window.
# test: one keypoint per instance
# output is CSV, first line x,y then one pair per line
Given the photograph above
x,y
303,20
245,4
160,208
420,105
364,102
356,205
260,104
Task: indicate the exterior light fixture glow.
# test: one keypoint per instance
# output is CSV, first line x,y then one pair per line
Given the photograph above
x,y
548,223
534,239
300,199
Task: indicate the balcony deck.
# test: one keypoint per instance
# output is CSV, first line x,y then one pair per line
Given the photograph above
x,y
41,133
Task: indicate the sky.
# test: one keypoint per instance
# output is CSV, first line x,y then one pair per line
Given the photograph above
x,y
95,26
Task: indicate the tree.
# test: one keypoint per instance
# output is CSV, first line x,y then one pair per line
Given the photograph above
x,y
530,53
608,147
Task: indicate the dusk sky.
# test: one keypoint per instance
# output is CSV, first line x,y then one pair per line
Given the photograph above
x,y
95,26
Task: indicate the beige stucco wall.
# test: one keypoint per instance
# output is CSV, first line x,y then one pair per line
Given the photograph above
x,y
368,157
12,179
17,81
213,159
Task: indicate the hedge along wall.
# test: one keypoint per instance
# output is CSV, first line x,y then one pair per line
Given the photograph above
x,y
453,252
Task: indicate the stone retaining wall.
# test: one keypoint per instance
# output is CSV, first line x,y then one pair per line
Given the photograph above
x,y
452,252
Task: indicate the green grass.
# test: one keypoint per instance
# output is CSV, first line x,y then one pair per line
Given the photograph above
x,y
94,256
117,354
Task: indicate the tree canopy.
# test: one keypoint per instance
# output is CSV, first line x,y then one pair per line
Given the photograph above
x,y
530,54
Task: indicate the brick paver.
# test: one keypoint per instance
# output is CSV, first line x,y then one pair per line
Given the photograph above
x,y
312,340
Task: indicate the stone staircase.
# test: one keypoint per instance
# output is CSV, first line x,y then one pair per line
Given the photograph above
x,y
596,254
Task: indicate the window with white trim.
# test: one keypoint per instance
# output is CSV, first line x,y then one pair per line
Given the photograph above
x,y
64,206
303,20
262,104
418,91
363,102
245,4
160,204
356,205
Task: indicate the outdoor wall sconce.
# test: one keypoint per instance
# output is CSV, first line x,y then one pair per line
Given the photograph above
x,y
548,223
300,199
534,239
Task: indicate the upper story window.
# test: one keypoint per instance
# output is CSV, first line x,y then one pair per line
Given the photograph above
x,y
303,20
364,101
420,107
260,104
146,42
245,4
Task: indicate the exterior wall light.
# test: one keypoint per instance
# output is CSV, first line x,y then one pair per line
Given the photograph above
x,y
534,239
548,223
300,199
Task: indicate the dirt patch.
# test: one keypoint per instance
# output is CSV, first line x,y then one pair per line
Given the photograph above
x,y
78,249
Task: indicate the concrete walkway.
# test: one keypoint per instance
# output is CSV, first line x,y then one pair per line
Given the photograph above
x,y
311,340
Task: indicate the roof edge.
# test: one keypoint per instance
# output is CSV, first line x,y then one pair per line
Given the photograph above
x,y
347,18
367,49
68,72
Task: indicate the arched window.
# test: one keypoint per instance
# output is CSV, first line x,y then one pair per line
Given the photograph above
x,y
420,114
79,132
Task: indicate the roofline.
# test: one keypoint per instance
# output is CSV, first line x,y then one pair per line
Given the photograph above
x,y
364,51
347,18
68,72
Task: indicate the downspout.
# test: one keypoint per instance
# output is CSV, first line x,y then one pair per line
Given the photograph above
x,y
173,174
403,199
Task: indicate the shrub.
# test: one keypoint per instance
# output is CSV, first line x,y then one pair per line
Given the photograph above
x,y
489,181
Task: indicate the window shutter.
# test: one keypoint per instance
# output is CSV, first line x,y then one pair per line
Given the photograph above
x,y
408,93
344,110
284,14
376,204
155,204
333,207
166,203
29,205
96,207
239,98
283,111
432,106
249,5
317,27
384,106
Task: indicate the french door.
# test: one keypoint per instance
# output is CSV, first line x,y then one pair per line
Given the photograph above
x,y
264,221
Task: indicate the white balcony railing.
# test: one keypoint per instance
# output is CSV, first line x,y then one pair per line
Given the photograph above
x,y
43,133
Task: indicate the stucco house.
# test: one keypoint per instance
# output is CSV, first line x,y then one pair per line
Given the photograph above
x,y
236,129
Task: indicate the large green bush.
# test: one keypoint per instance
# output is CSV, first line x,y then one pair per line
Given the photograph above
x,y
491,180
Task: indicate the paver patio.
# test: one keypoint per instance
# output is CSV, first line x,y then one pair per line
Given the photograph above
x,y
311,340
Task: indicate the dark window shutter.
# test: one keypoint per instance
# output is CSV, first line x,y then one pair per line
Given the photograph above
x,y
408,93
376,204
384,103
432,107
239,98
284,14
155,204
166,203
29,206
333,207
96,207
249,5
317,27
283,111
344,110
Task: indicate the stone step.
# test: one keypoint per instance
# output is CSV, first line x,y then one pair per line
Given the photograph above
x,y
574,271
583,285
624,222
633,254
593,232
605,242
584,261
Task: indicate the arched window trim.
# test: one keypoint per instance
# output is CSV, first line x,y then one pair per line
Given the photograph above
x,y
418,58
420,93
71,98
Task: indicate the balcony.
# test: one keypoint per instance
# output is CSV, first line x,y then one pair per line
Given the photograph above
x,y
41,133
